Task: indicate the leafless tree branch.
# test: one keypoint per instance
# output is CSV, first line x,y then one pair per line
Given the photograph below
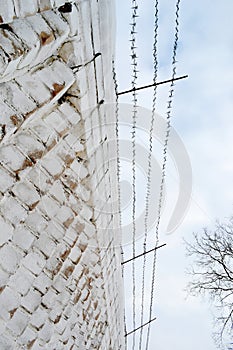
x,y
212,270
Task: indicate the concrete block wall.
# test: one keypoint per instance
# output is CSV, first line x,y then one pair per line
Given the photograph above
x,y
60,275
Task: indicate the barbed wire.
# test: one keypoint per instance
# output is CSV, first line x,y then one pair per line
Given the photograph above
x,y
149,164
117,139
134,64
118,172
169,108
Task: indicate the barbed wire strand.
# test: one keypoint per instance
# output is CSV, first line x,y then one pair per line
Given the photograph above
x,y
169,108
134,15
118,171
149,164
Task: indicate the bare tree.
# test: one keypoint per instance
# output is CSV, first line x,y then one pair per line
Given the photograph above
x,y
212,272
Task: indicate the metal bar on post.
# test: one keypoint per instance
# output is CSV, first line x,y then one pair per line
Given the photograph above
x,y
151,85
138,256
143,325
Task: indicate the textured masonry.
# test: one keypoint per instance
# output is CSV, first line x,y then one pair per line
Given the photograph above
x,y
60,276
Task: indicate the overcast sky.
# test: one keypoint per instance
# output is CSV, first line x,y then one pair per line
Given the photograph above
x,y
202,116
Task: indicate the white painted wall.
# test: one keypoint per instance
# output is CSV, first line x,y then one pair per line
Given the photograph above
x,y
60,276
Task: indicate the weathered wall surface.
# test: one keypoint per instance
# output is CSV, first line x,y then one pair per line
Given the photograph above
x,y
60,278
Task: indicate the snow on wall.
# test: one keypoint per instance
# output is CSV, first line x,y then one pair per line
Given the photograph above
x,y
60,276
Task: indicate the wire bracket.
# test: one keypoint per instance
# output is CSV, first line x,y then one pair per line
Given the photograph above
x,y
142,254
143,325
151,85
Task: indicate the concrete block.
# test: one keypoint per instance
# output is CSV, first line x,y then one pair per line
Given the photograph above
x,y
6,180
71,236
31,301
12,48
21,281
79,168
65,215
72,286
30,40
89,229
23,238
75,254
42,283
9,301
2,327
43,131
78,224
70,113
57,77
67,332
6,231
57,190
34,262
64,298
45,244
82,241
49,299
48,206
4,277
46,332
56,3
37,345
34,88
66,52
26,192
39,317
61,325
59,283
12,210
86,212
27,337
94,258
83,192
55,230
44,5
73,141
25,8
65,152
52,164
6,342
73,20
75,204
40,179
67,268
11,157
55,313
7,112
15,97
29,145
59,26
46,38
18,322
36,221
3,61
70,343
56,122
7,12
